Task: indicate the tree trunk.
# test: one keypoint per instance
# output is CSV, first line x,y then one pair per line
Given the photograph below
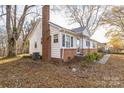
x,y
3,52
11,47
11,40
2,49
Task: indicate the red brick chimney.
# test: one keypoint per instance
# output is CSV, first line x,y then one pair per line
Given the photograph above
x,y
46,42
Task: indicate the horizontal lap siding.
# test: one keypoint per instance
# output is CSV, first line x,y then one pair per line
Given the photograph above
x,y
84,43
55,47
36,37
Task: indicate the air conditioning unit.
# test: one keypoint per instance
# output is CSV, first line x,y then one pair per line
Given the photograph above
x,y
36,56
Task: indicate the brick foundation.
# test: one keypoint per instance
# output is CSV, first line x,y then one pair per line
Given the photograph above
x,y
85,51
68,54
56,60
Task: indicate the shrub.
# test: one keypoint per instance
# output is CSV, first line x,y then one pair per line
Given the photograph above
x,y
96,55
91,57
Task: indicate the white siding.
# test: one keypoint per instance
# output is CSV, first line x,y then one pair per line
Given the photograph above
x,y
85,32
36,37
75,42
84,43
91,43
55,47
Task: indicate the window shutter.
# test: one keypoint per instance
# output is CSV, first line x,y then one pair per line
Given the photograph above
x,y
71,41
63,40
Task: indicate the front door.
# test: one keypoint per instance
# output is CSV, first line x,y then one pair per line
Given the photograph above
x,y
78,50
78,46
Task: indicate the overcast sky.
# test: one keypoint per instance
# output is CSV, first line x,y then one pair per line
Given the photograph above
x,y
61,20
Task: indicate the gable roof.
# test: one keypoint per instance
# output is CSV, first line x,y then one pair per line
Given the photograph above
x,y
75,31
80,30
51,24
55,25
33,27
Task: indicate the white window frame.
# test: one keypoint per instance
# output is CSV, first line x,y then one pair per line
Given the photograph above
x,y
55,38
68,40
65,43
88,42
94,45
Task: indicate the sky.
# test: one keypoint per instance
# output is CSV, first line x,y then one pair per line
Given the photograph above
x,y
61,20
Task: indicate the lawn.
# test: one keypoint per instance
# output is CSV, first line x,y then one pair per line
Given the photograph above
x,y
24,72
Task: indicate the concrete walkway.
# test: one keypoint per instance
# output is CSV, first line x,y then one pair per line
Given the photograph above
x,y
104,59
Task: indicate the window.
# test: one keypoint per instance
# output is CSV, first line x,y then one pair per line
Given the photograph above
x,y
94,46
88,43
55,38
71,41
67,41
35,45
78,43
63,40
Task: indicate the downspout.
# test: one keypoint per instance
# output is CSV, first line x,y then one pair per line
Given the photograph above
x,y
89,44
82,45
63,47
89,41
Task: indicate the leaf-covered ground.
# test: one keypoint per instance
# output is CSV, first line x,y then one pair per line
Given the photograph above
x,y
24,72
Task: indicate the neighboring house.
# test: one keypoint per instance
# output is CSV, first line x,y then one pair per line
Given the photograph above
x,y
65,43
102,47
3,43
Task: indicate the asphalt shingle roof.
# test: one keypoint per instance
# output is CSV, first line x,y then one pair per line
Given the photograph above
x,y
78,30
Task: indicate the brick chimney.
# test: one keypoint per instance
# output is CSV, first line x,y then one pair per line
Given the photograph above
x,y
46,42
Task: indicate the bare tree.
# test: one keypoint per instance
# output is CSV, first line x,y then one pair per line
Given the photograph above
x,y
11,41
88,17
114,18
15,24
3,42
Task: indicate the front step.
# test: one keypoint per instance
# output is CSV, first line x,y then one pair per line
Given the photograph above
x,y
79,58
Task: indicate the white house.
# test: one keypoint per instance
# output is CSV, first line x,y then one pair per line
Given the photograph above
x,y
65,43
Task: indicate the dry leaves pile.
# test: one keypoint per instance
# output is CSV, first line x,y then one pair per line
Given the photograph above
x,y
28,73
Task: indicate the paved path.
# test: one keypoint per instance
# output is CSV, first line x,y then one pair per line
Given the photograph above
x,y
104,59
